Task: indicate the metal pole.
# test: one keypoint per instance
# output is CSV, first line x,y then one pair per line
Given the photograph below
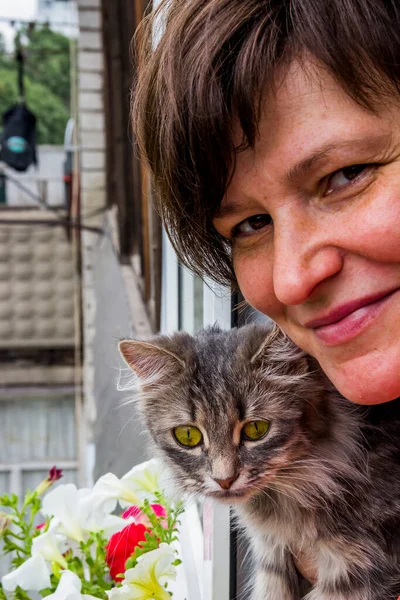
x,y
20,61
3,189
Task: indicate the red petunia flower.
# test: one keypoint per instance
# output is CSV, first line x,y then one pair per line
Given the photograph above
x,y
121,545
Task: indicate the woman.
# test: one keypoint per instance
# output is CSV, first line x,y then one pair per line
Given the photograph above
x,y
273,131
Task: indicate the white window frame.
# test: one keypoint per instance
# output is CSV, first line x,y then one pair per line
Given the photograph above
x,y
205,552
169,287
217,308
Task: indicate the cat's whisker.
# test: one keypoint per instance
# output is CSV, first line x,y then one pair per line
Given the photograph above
x,y
132,418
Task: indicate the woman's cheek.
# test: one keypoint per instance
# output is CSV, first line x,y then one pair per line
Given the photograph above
x,y
369,379
254,275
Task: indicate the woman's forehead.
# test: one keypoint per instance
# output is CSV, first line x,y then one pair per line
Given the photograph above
x,y
306,121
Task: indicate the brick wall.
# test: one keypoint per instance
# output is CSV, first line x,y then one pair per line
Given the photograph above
x,y
112,306
92,142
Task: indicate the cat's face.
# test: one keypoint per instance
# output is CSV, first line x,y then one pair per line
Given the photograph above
x,y
224,409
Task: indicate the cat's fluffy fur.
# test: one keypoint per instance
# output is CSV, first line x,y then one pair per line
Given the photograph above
x,y
322,485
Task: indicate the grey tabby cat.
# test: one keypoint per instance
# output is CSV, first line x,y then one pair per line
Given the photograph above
x,y
247,418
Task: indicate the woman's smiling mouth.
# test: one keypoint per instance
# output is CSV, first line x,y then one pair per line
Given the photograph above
x,y
348,320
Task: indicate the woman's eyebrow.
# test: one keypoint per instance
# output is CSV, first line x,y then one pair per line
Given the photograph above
x,y
373,145
228,208
369,143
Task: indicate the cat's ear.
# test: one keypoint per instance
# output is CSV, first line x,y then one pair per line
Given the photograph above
x,y
275,347
263,341
151,363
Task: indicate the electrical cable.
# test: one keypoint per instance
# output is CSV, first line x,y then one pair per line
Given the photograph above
x,y
29,193
37,53
61,220
43,203
16,20
48,223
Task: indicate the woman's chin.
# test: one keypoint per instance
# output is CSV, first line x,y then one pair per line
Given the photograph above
x,y
369,379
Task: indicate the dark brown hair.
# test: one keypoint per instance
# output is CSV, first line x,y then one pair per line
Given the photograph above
x,y
211,67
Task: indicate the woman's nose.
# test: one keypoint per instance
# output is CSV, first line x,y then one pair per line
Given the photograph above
x,y
302,260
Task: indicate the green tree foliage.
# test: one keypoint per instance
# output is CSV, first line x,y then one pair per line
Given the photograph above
x,y
48,61
51,114
47,81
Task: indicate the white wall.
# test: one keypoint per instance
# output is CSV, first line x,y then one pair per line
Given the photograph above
x,y
61,14
45,180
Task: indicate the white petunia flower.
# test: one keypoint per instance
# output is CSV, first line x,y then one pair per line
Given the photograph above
x,y
63,503
69,588
33,575
109,490
51,546
134,487
147,580
77,513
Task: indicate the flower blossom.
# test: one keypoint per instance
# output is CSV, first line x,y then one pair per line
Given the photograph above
x,y
121,546
148,580
69,588
33,575
139,484
141,517
51,546
77,513
54,475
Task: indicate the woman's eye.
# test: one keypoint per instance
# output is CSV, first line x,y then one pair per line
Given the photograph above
x,y
255,430
188,436
252,224
344,177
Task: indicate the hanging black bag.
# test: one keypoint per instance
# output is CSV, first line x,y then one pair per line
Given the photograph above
x,y
18,142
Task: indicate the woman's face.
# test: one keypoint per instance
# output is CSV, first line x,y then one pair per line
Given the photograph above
x,y
313,213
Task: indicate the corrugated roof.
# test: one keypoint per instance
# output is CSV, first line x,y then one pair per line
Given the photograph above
x,y
36,283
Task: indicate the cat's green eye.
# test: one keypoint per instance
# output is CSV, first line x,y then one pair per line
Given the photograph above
x,y
187,435
255,430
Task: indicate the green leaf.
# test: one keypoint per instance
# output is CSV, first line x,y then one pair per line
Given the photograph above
x,y
20,594
177,562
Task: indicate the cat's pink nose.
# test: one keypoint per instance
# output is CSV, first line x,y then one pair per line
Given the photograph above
x,y
225,484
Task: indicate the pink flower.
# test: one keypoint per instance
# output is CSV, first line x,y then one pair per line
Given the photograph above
x,y
140,517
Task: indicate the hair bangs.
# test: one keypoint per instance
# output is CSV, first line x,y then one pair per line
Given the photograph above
x,y
200,93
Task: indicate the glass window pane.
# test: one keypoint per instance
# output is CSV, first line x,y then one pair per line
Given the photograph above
x,y
198,303
186,299
190,301
5,562
37,429
4,483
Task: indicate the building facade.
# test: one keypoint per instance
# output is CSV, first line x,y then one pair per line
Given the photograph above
x,y
132,283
